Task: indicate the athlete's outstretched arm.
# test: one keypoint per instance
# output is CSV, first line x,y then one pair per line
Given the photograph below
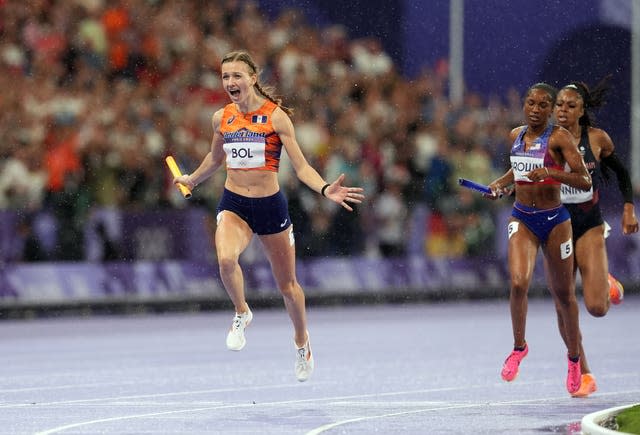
x,y
308,175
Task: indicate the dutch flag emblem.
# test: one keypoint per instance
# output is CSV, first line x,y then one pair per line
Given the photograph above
x,y
259,119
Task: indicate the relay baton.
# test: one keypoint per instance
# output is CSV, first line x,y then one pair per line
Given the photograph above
x,y
173,166
477,187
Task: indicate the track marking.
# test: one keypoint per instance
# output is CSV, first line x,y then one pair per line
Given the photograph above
x,y
329,426
332,399
144,396
63,387
372,417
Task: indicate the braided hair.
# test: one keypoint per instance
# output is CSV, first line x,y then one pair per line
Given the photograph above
x,y
265,91
591,98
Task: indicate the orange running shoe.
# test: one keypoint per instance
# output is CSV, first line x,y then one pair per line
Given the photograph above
x,y
616,291
512,363
587,386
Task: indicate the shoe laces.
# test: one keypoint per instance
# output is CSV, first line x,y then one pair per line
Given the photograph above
x,y
302,356
237,322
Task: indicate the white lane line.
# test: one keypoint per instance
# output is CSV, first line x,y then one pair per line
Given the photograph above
x,y
226,390
182,411
404,403
326,427
125,417
63,387
329,426
155,395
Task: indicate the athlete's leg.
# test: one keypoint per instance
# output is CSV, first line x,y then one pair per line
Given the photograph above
x,y
232,238
591,258
584,365
523,249
558,253
280,250
587,379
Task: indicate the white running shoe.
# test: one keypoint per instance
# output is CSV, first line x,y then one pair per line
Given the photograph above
x,y
235,337
304,361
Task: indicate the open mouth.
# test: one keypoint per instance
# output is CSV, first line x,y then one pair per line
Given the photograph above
x,y
234,93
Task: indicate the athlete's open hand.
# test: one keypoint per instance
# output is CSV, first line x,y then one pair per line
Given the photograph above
x,y
343,195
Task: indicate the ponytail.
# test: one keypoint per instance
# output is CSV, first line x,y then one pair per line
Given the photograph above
x,y
591,98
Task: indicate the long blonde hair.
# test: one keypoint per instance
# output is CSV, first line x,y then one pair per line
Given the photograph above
x,y
265,91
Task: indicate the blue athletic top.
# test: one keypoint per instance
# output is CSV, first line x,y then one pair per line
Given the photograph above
x,y
537,156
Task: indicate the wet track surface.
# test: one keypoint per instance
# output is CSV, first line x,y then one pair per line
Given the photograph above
x,y
424,369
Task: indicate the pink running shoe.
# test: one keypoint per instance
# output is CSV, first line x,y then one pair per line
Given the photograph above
x,y
511,364
574,376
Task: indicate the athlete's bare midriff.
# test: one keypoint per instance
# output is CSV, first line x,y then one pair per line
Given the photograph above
x,y
542,196
252,183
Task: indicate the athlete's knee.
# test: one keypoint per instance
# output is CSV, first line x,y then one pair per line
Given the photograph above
x,y
291,289
519,287
565,297
596,299
597,309
227,265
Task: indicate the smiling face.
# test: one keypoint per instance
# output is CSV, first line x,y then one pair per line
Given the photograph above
x,y
537,107
238,81
569,107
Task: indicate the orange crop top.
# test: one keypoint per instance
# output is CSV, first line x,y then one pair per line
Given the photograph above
x,y
250,141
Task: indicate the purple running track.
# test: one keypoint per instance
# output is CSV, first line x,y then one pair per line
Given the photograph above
x,y
422,368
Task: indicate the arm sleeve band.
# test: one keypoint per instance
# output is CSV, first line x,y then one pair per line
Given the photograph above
x,y
624,180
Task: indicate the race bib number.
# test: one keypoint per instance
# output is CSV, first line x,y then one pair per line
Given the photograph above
x,y
245,154
566,249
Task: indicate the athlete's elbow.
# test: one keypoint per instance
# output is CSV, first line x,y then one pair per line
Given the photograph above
x,y
586,182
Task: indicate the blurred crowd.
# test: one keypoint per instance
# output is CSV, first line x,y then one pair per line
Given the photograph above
x,y
96,93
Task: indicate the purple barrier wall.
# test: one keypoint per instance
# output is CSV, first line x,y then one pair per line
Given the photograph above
x,y
167,234
44,283
154,235
48,283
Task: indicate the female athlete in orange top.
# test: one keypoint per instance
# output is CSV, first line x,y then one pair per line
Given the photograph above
x,y
249,135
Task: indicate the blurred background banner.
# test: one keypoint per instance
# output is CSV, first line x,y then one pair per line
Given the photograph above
x,y
404,97
162,269
144,281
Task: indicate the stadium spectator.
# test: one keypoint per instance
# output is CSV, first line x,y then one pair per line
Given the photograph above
x,y
144,76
